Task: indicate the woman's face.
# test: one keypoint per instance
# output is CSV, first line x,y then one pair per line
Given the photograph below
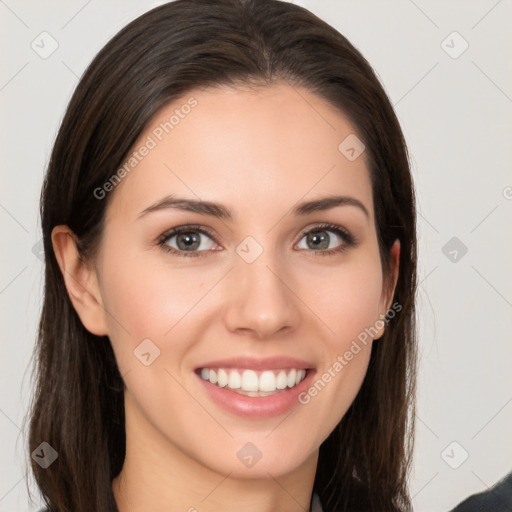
x,y
255,282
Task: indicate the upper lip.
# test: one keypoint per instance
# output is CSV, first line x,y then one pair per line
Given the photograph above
x,y
252,363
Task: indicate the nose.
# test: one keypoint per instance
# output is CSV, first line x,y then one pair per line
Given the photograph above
x,y
261,299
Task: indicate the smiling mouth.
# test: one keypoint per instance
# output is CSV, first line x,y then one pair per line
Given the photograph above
x,y
254,383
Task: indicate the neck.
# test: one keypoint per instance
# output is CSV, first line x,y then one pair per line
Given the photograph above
x,y
159,475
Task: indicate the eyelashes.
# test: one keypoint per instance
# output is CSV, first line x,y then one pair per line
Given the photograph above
x,y
348,240
188,229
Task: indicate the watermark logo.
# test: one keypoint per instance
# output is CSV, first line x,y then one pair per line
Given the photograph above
x,y
45,455
38,250
249,249
44,45
454,455
454,249
146,352
249,454
454,45
352,147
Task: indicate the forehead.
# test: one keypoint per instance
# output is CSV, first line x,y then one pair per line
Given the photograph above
x,y
249,149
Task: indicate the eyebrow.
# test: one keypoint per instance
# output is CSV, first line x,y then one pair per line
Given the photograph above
x,y
220,211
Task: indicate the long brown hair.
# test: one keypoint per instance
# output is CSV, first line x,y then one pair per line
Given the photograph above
x,y
78,403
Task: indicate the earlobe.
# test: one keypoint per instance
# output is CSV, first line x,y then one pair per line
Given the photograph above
x,y
80,280
389,286
395,270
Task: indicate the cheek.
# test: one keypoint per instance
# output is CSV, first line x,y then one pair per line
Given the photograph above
x,y
158,303
345,298
149,299
347,304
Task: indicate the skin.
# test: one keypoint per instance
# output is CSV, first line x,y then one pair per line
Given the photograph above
x,y
258,153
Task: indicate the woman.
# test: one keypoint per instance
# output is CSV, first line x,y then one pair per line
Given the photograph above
x,y
229,231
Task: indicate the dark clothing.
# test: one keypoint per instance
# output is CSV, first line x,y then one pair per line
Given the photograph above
x,y
496,499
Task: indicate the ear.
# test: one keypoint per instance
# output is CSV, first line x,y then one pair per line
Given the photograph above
x,y
389,285
81,281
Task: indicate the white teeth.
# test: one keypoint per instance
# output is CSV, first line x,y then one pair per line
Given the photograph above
x,y
235,381
267,381
222,378
249,383
291,378
282,380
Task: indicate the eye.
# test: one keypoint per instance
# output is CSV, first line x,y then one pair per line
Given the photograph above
x,y
187,241
190,240
318,239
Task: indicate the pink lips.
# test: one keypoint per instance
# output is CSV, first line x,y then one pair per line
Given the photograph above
x,y
251,363
257,407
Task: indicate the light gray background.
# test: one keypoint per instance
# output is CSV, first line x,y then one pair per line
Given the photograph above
x,y
456,116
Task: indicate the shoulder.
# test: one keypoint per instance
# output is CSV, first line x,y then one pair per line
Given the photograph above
x,y
496,499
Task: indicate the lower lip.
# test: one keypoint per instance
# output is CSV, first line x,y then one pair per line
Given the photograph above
x,y
258,406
